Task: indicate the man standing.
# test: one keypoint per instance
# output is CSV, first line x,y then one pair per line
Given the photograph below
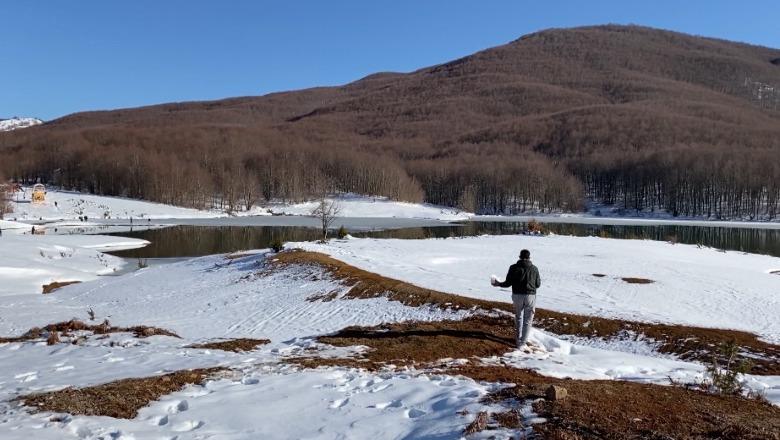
x,y
524,279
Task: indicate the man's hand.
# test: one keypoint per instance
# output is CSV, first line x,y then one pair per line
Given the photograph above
x,y
494,281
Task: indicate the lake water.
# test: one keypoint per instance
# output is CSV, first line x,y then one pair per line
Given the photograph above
x,y
191,240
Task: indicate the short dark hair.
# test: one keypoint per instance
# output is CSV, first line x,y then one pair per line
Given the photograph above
x,y
525,254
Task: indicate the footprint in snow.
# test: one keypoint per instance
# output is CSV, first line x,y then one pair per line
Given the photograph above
x,y
186,425
339,403
414,413
383,405
178,407
380,388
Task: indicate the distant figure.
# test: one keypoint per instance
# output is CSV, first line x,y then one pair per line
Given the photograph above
x,y
523,278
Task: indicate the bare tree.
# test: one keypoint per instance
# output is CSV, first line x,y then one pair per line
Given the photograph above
x,y
5,197
326,212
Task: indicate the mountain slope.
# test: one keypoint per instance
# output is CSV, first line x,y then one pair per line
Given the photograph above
x,y
562,106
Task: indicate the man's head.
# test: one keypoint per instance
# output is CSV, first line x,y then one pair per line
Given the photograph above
x,y
525,254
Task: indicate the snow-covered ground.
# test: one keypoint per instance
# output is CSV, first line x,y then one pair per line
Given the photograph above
x,y
692,286
212,297
351,205
68,205
16,123
62,206
28,262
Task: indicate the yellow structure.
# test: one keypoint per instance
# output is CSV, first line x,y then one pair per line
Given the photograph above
x,y
38,193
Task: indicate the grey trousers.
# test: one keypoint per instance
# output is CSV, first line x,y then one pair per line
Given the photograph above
x,y
524,316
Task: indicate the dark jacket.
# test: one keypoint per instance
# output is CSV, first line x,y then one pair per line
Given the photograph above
x,y
523,277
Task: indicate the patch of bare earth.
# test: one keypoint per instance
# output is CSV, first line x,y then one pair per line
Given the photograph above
x,y
591,409
58,331
635,280
119,399
51,287
234,345
609,409
689,343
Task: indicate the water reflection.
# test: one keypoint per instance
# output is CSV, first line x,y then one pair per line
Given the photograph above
x,y
190,241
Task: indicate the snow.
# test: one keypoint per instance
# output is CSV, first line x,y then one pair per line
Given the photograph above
x,y
204,299
692,286
212,297
69,205
352,205
61,206
16,123
27,262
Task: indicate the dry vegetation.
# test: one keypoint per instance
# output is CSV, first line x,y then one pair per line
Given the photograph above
x,y
119,399
67,328
621,113
51,287
600,409
234,345
493,334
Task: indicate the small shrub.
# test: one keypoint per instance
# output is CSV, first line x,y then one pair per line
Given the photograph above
x,y
91,314
342,232
725,379
53,338
535,227
277,245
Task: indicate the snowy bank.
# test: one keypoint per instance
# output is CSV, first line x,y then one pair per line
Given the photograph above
x,y
693,286
28,262
351,205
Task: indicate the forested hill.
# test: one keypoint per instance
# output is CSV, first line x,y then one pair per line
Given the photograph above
x,y
628,115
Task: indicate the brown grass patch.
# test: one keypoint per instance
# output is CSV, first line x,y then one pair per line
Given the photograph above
x,y
628,410
51,287
234,345
119,399
634,280
65,328
366,284
423,343
689,343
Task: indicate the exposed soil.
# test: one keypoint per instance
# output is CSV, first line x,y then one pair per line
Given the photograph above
x,y
602,409
119,399
51,287
65,329
592,409
634,280
234,345
689,343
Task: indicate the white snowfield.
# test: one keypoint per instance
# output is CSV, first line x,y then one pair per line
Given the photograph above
x,y
16,123
28,262
210,298
68,205
692,286
352,205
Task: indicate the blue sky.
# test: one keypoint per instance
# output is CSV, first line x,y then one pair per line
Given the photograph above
x,y
60,57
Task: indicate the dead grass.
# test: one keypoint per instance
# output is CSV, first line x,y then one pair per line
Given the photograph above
x,y
634,280
65,329
234,345
602,409
366,284
690,343
51,287
119,399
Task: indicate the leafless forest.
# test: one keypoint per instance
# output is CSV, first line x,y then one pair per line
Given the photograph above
x,y
630,116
